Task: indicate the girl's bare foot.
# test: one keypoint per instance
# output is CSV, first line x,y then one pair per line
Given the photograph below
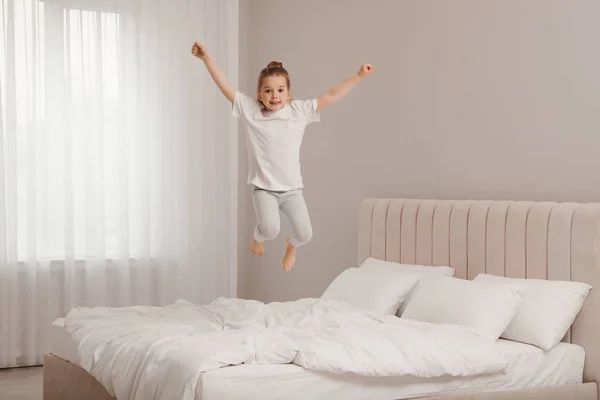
x,y
289,260
257,248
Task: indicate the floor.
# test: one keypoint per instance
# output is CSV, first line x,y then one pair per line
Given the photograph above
x,y
21,383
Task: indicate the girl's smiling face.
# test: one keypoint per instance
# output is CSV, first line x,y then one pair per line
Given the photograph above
x,y
274,93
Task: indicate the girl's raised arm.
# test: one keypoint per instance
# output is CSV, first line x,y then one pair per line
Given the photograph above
x,y
200,51
336,93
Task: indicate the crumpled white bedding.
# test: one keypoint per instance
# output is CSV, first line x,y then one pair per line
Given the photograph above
x,y
158,353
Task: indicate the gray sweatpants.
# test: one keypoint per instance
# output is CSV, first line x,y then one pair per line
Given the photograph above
x,y
267,204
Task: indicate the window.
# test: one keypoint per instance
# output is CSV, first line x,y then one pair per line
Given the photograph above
x,y
68,138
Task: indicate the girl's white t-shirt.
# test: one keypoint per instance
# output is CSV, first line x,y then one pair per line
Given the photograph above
x,y
274,139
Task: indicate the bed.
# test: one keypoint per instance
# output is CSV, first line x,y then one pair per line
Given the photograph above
x,y
554,241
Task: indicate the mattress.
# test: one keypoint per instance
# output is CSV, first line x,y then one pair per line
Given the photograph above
x,y
529,366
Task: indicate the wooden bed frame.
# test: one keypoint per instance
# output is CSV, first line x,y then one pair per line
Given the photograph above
x,y
556,241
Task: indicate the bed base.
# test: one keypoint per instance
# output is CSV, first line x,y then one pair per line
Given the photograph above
x,y
64,380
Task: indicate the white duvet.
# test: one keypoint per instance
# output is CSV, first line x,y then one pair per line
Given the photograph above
x,y
158,353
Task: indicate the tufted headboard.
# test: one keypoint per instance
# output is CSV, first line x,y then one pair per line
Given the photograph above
x,y
541,240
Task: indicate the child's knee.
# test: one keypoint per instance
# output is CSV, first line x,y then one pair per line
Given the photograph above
x,y
304,236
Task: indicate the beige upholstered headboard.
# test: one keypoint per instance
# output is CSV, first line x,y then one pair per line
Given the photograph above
x,y
555,241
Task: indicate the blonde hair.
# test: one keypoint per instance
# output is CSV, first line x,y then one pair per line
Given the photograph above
x,y
274,68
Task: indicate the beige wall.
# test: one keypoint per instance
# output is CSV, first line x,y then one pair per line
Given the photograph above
x,y
471,99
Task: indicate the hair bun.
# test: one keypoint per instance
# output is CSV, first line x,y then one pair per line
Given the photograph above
x,y
275,64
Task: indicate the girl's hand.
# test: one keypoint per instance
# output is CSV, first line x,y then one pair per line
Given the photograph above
x,y
199,50
366,70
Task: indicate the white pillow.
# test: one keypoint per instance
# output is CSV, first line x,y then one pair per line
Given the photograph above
x,y
485,308
547,312
427,274
377,291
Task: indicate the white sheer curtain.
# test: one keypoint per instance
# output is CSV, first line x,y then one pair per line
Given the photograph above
x,y
117,160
